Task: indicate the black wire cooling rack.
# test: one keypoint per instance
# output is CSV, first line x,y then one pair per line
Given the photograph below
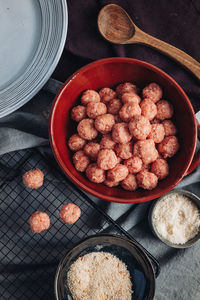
x,y
28,261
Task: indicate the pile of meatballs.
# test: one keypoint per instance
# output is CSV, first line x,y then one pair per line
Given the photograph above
x,y
124,136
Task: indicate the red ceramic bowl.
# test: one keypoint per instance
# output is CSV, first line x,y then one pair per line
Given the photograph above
x,y
108,73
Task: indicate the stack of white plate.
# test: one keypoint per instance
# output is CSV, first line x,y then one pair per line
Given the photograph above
x,y
32,38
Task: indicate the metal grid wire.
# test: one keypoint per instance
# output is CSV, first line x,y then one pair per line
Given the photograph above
x,y
29,261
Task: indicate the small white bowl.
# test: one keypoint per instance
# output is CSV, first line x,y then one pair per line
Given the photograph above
x,y
194,199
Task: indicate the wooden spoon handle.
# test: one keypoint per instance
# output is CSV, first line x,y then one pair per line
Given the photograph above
x,y
184,59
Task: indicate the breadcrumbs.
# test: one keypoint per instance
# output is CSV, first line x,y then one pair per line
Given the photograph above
x,y
176,218
99,276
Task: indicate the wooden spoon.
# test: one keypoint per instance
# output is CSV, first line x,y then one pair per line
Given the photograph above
x,y
116,26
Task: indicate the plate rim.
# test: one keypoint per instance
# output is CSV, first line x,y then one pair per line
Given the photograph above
x,y
30,93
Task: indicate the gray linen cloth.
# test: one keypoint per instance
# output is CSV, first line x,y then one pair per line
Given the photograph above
x,y
180,269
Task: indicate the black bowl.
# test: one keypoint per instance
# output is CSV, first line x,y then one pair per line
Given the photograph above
x,y
137,262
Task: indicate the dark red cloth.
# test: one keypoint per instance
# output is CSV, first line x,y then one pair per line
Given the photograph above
x,y
176,22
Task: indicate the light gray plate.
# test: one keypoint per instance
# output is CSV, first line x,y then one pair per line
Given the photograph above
x,y
32,38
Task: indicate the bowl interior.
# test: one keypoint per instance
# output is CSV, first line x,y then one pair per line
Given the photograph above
x,y
109,73
139,266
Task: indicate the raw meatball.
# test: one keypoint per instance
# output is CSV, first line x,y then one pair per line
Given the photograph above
x,y
164,110
111,183
104,123
140,127
134,164
106,159
78,113
157,133
70,213
131,98
120,133
169,146
39,221
33,179
155,121
119,159
81,161
152,91
169,127
146,167
160,168
129,183
129,110
118,173
90,96
126,87
87,130
76,142
148,108
118,119
107,94
147,180
107,142
95,174
114,106
92,150
146,150
124,151
96,109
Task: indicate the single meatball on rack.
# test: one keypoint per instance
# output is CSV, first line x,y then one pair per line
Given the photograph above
x,y
70,213
39,221
33,179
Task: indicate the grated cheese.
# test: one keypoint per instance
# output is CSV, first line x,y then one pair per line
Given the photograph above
x,y
99,276
176,218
